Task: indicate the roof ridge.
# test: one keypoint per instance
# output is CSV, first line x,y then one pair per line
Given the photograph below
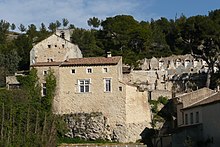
x,y
202,99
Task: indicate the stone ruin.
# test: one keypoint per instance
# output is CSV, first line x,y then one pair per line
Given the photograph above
x,y
165,75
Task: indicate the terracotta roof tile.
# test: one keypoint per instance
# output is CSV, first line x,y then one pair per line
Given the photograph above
x,y
46,64
83,61
92,61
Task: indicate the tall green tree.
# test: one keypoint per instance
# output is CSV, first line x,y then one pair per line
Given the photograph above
x,y
94,22
58,23
201,34
65,22
52,27
22,28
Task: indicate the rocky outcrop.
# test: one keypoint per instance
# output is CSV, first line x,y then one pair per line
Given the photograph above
x,y
90,126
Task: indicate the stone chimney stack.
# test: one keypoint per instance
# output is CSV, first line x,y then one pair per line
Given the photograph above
x,y
108,54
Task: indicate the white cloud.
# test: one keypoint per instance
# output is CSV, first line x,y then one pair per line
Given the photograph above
x,y
76,11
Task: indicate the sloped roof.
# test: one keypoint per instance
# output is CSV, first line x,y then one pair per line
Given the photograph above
x,y
47,64
92,61
83,61
211,99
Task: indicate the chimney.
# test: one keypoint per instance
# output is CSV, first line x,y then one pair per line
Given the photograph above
x,y
108,54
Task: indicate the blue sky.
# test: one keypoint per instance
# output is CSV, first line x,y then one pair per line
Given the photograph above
x,y
79,11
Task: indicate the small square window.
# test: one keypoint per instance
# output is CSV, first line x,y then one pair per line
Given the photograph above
x,y
49,46
73,71
44,72
105,70
55,45
89,70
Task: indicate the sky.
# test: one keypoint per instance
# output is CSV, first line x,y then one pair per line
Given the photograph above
x,y
79,11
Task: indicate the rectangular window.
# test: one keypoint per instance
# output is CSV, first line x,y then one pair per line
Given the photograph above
x,y
191,118
89,70
120,88
197,117
105,70
44,89
108,85
84,85
186,119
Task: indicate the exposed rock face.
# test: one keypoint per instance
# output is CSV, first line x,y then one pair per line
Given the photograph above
x,y
90,126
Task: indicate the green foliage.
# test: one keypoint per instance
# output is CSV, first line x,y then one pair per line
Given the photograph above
x,y
94,22
154,109
25,121
66,140
50,93
87,42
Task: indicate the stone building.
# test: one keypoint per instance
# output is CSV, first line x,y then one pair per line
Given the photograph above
x,y
198,122
94,84
54,49
161,76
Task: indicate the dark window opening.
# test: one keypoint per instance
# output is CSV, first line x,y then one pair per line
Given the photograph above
x,y
62,35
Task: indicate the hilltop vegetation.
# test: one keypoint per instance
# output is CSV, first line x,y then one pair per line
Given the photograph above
x,y
25,116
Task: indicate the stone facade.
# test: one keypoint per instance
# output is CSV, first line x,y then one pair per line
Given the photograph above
x,y
95,84
199,113
54,49
162,76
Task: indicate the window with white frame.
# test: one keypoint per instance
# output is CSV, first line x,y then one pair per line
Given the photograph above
x,y
89,70
108,84
84,85
44,89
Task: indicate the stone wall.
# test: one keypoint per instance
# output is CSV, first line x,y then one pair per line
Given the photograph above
x,y
89,126
54,49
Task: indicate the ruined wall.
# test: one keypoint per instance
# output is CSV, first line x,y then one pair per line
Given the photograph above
x,y
53,49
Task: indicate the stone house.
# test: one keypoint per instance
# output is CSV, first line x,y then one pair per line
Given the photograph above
x,y
93,84
54,49
200,121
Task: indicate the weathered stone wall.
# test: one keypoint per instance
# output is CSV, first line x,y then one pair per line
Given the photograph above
x,y
157,93
53,49
89,126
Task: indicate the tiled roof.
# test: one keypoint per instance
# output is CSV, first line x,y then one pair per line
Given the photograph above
x,y
83,61
46,64
92,61
211,99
